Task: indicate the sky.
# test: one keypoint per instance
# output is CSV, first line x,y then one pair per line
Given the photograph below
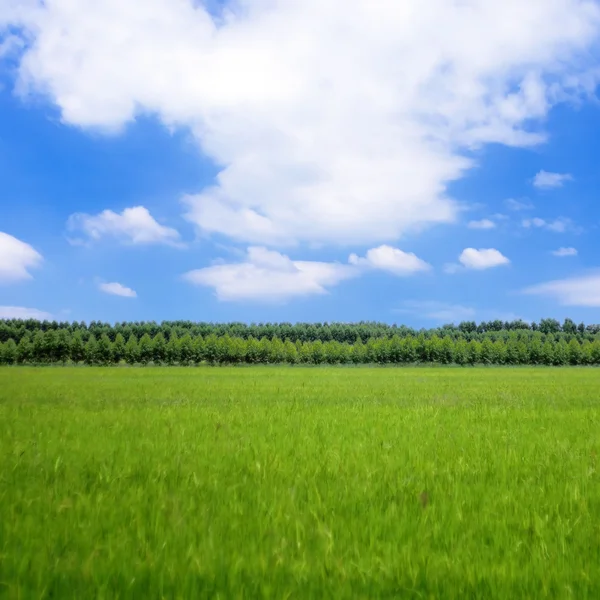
x,y
419,162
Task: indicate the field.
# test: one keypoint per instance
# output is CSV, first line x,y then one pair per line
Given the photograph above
x,y
299,483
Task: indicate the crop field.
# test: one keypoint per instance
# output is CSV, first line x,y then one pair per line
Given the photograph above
x,y
274,482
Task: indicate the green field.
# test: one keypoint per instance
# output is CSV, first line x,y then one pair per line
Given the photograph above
x,y
299,483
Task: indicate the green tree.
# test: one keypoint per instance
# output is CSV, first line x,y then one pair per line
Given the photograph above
x,y
77,348
595,352
575,353
461,352
586,353
173,349
8,352
474,352
131,354
63,346
252,350
317,353
561,353
104,350
25,348
37,347
548,353
159,348
277,351
291,353
118,348
487,351
91,351
187,349
145,349
199,348
446,350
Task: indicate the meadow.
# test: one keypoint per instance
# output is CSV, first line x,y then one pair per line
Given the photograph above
x,y
275,482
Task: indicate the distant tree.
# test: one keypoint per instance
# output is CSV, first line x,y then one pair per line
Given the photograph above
x,y
561,353
595,352
549,326
291,352
145,349
37,347
468,327
188,348
8,352
118,348
358,353
587,357
575,353
159,348
535,351
131,354
486,355
77,347
91,351
25,348
199,348
104,350
474,352
317,352
253,349
173,349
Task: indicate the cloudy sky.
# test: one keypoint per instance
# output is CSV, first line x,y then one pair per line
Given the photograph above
x,y
417,161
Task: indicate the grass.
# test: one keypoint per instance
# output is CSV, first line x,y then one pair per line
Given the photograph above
x,y
299,483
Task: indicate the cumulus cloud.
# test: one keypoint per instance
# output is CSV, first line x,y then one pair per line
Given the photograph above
x,y
267,275
392,260
438,311
563,252
444,312
560,225
546,180
484,258
575,291
20,312
134,225
117,289
483,224
16,259
332,122
517,205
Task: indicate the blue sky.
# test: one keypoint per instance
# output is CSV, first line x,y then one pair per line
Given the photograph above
x,y
388,164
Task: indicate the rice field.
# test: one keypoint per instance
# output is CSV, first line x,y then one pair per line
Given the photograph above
x,y
279,482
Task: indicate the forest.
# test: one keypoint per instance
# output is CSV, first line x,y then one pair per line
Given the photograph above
x,y
187,343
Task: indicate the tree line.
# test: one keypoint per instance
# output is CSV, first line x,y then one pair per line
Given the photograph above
x,y
307,332
63,346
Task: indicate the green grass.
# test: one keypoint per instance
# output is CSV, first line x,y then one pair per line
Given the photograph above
x,y
299,483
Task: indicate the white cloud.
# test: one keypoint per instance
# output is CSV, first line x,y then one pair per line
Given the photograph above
x,y
560,225
453,268
545,180
117,289
438,311
562,252
575,291
517,205
266,275
134,225
16,258
20,312
452,313
338,121
484,258
483,224
391,259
